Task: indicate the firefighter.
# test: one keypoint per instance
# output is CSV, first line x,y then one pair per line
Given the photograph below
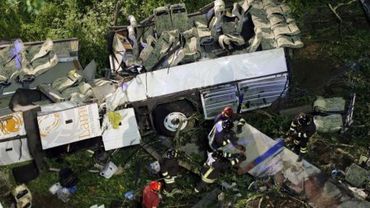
x,y
151,196
216,162
301,129
227,113
169,170
221,135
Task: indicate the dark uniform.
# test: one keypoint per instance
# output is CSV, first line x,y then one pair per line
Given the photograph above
x,y
169,170
213,167
221,117
227,113
221,135
301,129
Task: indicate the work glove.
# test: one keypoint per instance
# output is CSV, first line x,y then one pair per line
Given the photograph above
x,y
241,148
240,125
288,141
242,121
241,157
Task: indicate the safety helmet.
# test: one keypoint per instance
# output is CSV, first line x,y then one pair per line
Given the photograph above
x,y
227,124
228,111
155,185
171,153
304,119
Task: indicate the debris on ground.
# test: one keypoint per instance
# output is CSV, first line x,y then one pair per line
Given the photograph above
x,y
194,111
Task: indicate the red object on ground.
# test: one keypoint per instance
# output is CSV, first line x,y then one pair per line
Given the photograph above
x,y
151,196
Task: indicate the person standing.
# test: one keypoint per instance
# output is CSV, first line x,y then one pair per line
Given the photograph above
x,y
227,113
151,196
169,171
301,130
222,135
213,167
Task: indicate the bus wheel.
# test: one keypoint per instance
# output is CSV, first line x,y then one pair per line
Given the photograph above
x,y
167,117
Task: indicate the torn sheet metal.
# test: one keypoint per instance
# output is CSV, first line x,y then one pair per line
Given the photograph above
x,y
13,141
103,90
60,70
68,126
302,177
66,52
14,151
90,71
58,107
126,133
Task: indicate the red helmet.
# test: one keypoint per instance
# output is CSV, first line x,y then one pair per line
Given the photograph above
x,y
228,111
155,185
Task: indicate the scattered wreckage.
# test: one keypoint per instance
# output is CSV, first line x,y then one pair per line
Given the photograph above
x,y
165,69
153,100
209,59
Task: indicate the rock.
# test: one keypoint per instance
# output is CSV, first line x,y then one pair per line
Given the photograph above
x,y
356,176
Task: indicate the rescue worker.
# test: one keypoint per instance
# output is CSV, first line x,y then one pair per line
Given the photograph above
x,y
151,196
301,130
227,113
169,170
213,167
222,135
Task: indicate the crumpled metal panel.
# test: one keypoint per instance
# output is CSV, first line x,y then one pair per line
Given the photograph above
x,y
66,52
14,151
68,126
265,158
127,133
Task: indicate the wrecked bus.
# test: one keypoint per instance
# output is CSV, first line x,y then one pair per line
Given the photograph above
x,y
50,60
223,55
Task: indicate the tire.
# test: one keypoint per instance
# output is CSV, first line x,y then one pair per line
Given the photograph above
x,y
162,111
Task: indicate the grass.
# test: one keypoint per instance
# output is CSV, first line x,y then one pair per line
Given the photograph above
x,y
351,46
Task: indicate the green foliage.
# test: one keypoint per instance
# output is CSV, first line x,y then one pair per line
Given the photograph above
x,y
89,21
300,7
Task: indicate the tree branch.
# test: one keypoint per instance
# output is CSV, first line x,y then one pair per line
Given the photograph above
x,y
334,9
